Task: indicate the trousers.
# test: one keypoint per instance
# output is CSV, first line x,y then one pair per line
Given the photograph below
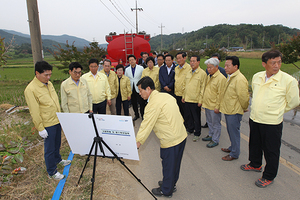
x,y
265,139
233,124
214,124
171,161
51,148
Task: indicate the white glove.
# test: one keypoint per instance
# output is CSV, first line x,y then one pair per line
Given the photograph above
x,y
43,133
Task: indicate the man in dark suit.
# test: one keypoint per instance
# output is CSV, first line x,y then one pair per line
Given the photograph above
x,y
167,74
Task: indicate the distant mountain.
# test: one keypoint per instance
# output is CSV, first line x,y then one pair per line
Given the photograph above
x,y
79,42
16,33
103,45
17,39
248,36
21,39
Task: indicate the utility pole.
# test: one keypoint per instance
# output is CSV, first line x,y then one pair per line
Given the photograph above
x,y
206,41
35,31
136,15
228,42
161,27
263,40
173,43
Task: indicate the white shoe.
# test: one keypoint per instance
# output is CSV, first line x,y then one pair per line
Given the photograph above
x,y
57,176
65,162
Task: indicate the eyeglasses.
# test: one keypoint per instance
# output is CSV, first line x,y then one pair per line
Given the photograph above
x,y
273,63
78,73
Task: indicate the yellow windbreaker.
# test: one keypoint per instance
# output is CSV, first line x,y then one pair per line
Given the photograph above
x,y
125,88
272,99
98,86
180,75
113,81
43,104
194,86
163,116
236,96
75,99
214,91
154,75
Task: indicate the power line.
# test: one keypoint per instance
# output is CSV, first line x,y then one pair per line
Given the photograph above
x,y
148,20
149,17
123,11
121,14
114,14
127,3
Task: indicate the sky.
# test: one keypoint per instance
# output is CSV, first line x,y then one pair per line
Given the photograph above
x,y
93,19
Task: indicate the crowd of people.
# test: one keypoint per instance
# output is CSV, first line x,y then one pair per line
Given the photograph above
x,y
169,97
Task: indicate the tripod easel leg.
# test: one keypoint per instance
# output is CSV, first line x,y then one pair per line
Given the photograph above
x,y
87,160
94,168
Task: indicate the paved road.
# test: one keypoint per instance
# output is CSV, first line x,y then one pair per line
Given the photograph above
x,y
205,176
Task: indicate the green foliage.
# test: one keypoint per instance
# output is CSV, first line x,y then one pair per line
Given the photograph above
x,y
11,153
210,51
24,48
243,35
71,54
290,50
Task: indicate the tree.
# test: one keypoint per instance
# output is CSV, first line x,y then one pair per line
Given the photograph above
x,y
71,54
4,49
290,50
212,50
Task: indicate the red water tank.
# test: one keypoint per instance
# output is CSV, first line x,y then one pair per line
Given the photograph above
x,y
120,46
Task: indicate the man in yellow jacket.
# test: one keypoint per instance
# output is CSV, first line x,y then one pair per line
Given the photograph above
x,y
194,85
163,116
180,73
234,103
274,93
43,104
99,87
113,81
152,72
75,94
211,101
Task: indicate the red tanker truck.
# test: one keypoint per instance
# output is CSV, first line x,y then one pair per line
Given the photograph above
x,y
120,46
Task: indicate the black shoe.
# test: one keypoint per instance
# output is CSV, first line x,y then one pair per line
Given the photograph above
x,y
135,118
160,184
205,125
159,193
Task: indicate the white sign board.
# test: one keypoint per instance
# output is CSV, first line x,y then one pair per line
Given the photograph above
x,y
116,131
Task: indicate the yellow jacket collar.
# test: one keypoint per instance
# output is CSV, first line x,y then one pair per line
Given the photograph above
x,y
38,82
71,81
276,77
235,73
217,73
90,74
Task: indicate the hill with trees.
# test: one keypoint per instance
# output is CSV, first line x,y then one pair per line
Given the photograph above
x,y
248,36
23,38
